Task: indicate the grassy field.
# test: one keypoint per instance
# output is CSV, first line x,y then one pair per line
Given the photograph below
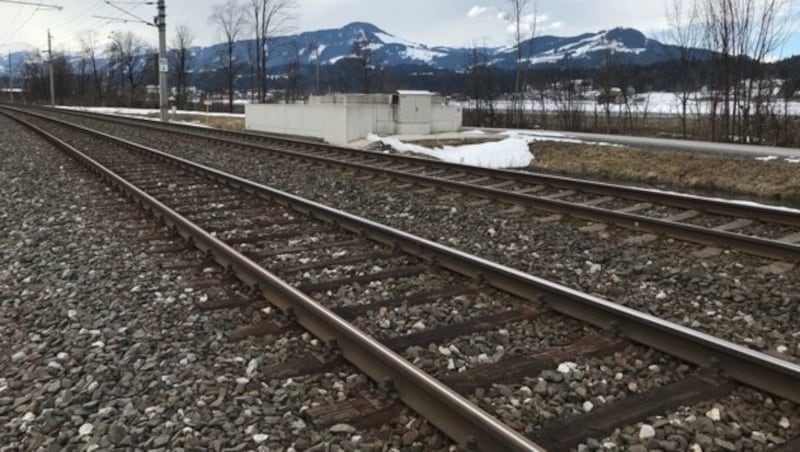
x,y
708,174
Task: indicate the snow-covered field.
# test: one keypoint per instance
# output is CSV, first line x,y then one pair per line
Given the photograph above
x,y
512,152
148,112
654,104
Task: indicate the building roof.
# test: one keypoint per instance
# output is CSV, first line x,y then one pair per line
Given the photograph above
x,y
414,93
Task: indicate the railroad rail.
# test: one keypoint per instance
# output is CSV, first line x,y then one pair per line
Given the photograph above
x,y
245,226
694,219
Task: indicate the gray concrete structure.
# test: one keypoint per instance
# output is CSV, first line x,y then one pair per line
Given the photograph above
x,y
343,118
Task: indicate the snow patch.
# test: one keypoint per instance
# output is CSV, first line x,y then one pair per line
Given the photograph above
x,y
508,153
534,136
420,54
146,111
390,39
768,158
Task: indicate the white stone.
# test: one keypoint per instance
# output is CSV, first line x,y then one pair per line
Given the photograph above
x,y
28,417
355,439
259,438
782,349
242,381
71,314
713,414
342,428
491,232
299,424
451,365
695,448
86,429
252,367
63,356
19,356
567,367
419,326
445,351
588,406
784,423
647,432
98,344
661,295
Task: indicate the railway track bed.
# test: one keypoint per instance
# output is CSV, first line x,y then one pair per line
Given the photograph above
x,y
747,299
466,331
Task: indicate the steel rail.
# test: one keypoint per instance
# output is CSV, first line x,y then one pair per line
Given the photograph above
x,y
443,407
764,372
716,206
772,249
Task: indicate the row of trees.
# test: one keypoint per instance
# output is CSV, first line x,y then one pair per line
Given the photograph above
x,y
741,99
719,67
132,64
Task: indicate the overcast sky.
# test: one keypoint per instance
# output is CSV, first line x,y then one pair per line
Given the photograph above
x,y
432,22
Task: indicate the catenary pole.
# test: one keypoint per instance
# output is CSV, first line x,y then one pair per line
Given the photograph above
x,y
10,79
50,60
163,62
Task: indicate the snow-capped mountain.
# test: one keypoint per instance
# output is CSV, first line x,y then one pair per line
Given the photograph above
x,y
334,45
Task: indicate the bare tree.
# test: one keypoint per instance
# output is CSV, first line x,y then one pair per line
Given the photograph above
x,y
127,53
229,18
269,19
181,44
516,15
481,85
744,34
89,45
314,51
523,26
294,75
363,55
684,32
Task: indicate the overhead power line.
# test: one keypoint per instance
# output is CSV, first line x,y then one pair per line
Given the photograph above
x,y
38,5
138,19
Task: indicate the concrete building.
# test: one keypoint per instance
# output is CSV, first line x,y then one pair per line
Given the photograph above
x,y
343,118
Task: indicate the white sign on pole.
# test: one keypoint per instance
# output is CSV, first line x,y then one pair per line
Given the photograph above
x,y
163,65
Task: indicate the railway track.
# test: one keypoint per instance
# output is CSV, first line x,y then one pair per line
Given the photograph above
x,y
361,271
764,231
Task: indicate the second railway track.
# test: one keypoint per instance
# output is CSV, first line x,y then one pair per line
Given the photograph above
x,y
764,231
362,271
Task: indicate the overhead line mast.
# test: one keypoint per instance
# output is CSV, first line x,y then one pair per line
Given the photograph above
x,y
160,22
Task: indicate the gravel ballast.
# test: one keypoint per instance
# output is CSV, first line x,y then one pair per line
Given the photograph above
x,y
105,349
728,294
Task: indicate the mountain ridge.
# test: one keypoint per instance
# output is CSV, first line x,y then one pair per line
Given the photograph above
x,y
333,45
